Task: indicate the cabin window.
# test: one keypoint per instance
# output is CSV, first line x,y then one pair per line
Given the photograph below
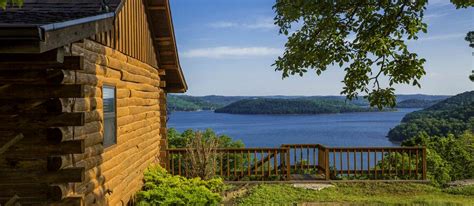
x,y
110,117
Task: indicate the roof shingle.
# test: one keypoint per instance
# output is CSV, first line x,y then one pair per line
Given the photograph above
x,y
42,12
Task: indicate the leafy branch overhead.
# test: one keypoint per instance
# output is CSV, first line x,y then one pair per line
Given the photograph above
x,y
3,3
366,38
470,39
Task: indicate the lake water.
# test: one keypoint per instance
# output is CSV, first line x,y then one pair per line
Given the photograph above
x,y
349,129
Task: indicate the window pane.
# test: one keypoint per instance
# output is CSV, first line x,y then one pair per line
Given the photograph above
x,y
109,99
110,131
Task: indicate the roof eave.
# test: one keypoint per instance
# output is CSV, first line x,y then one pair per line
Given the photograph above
x,y
42,38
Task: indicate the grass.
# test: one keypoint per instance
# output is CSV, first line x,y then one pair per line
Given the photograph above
x,y
360,193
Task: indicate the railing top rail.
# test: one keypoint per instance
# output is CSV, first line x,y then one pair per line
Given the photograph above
x,y
351,148
284,147
375,148
264,149
304,145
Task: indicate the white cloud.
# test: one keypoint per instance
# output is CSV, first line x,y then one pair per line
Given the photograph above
x,y
231,52
261,23
443,37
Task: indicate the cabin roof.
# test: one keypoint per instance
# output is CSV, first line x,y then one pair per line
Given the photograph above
x,y
43,12
41,25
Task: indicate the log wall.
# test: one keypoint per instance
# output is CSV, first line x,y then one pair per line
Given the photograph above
x,y
114,174
51,129
35,90
131,28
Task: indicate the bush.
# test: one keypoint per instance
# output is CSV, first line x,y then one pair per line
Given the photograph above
x,y
162,188
448,158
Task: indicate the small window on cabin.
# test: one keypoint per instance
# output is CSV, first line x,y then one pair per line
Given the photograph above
x,y
110,118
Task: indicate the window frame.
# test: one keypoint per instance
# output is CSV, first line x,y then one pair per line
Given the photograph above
x,y
110,86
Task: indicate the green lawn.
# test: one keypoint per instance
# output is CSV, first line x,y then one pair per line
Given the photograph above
x,y
364,193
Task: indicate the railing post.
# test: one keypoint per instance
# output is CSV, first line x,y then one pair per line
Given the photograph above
x,y
288,164
326,160
424,163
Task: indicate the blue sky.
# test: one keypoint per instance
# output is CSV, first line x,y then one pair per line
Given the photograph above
x,y
226,47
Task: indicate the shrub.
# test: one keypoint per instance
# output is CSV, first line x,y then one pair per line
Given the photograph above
x,y
448,158
201,159
201,155
162,188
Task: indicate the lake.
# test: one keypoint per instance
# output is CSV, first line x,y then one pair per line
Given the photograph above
x,y
347,129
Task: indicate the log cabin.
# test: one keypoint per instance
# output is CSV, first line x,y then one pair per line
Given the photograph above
x,y
83,89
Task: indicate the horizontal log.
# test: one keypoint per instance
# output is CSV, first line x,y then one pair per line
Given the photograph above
x,y
68,175
56,163
42,191
34,151
23,164
70,201
26,190
73,77
51,105
13,91
50,76
41,120
49,135
15,106
53,56
69,63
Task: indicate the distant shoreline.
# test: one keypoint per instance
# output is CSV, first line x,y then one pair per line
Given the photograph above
x,y
306,114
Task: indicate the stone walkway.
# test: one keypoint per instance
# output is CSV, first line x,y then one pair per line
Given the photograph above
x,y
313,186
461,183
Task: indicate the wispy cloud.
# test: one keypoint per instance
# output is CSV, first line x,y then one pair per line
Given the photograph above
x,y
435,15
231,52
223,24
443,37
439,2
260,23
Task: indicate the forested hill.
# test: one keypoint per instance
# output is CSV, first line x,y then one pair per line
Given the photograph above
x,y
212,102
454,115
290,106
189,103
416,103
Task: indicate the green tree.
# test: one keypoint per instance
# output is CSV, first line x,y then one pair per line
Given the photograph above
x,y
366,38
448,157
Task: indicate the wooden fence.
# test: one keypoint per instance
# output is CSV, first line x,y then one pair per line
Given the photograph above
x,y
308,162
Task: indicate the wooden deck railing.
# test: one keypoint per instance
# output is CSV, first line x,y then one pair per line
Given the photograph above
x,y
310,162
237,163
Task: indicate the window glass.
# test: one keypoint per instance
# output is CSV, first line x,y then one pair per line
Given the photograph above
x,y
110,131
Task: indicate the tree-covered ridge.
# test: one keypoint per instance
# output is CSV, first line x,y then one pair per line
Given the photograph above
x,y
212,102
290,106
454,116
189,103
416,103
